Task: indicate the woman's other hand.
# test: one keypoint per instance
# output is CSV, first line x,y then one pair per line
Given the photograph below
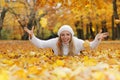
x,y
101,35
30,32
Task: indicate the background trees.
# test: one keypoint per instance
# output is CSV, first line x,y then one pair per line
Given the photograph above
x,y
48,15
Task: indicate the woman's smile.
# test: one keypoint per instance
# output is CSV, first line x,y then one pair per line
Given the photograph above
x,y
65,37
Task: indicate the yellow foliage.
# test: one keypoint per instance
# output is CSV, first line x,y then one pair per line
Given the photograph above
x,y
8,62
43,22
57,26
89,61
59,63
32,70
19,62
2,3
99,76
4,75
117,77
61,72
40,12
86,44
1,56
20,73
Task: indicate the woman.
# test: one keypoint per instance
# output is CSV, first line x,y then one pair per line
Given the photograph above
x,y
66,43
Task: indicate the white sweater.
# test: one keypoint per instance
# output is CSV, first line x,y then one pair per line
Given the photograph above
x,y
51,43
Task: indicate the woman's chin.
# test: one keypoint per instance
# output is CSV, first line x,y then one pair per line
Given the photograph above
x,y
65,42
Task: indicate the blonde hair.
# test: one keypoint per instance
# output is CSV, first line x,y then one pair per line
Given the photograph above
x,y
71,47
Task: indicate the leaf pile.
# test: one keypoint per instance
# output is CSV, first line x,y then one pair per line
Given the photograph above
x,y
20,60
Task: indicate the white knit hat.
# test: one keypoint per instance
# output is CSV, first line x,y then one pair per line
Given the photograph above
x,y
67,28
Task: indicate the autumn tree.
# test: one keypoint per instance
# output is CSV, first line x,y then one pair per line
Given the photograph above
x,y
116,16
25,13
59,12
2,16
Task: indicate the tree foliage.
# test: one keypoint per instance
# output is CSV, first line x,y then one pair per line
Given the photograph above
x,y
26,13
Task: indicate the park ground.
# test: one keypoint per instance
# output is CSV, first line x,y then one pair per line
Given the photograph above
x,y
21,60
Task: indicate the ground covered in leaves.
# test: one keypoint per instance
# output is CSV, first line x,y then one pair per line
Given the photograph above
x,y
20,60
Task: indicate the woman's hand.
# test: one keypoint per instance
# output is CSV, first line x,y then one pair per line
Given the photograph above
x,y
101,35
30,32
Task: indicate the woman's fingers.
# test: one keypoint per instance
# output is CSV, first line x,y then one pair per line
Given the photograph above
x,y
30,32
27,30
104,35
33,28
101,35
100,31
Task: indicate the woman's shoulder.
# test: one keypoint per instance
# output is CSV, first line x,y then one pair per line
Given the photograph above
x,y
53,39
77,39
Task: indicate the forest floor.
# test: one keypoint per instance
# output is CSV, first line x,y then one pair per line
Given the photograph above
x,y
21,60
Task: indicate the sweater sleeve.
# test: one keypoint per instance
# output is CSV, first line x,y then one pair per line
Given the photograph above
x,y
42,43
94,43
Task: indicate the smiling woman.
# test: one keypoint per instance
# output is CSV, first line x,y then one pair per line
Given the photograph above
x,y
66,43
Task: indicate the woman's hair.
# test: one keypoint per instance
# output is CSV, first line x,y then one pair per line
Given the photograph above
x,y
71,47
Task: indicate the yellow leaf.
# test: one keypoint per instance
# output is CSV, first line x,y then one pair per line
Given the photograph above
x,y
9,62
86,44
112,61
2,2
61,72
89,61
43,22
20,73
40,12
32,70
4,75
59,63
99,76
117,76
1,56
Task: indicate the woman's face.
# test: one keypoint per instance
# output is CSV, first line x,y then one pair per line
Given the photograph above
x,y
65,37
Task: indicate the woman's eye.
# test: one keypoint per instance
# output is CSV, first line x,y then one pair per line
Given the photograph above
x,y
62,34
68,34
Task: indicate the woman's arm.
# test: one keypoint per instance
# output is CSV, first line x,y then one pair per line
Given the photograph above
x,y
98,39
37,42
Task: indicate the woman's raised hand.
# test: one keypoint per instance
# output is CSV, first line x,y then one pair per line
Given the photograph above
x,y
30,32
101,35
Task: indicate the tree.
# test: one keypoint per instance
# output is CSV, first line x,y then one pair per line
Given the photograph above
x,y
2,16
115,13
28,18
26,12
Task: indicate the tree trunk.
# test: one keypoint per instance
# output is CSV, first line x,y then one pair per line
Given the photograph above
x,y
91,31
113,29
0,27
116,17
2,16
87,31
